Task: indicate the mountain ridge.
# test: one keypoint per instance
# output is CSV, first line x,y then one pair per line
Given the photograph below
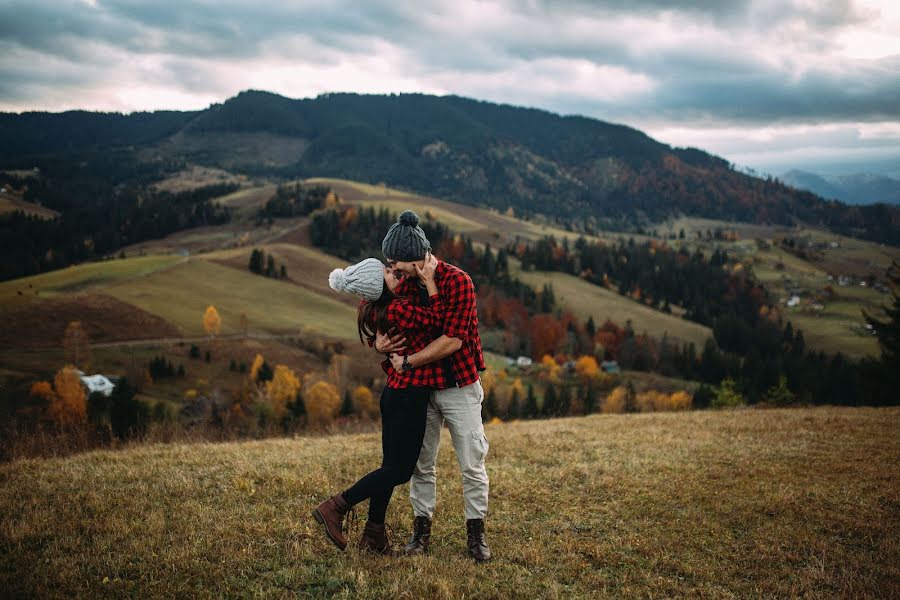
x,y
585,172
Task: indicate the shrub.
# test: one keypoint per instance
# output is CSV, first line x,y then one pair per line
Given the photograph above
x,y
726,396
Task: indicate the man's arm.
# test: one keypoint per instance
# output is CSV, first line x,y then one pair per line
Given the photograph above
x,y
440,348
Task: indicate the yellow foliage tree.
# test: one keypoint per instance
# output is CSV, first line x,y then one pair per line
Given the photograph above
x,y
256,366
587,368
322,403
212,324
364,402
282,389
614,401
681,400
549,368
69,404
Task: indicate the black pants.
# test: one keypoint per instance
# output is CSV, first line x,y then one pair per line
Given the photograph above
x,y
402,430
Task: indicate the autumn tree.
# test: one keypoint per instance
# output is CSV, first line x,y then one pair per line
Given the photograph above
x,y
68,406
211,322
77,345
587,368
364,402
322,402
281,390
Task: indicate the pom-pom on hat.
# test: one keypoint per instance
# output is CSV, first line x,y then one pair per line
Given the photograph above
x,y
365,279
405,241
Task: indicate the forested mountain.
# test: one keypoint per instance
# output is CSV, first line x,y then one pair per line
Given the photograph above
x,y
587,173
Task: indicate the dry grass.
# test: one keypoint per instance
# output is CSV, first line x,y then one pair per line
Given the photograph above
x,y
752,503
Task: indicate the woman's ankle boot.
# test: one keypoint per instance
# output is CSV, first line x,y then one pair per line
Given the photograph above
x,y
374,539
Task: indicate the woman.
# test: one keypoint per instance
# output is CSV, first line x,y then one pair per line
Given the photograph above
x,y
403,406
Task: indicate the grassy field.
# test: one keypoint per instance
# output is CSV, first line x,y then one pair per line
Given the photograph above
x,y
181,295
753,503
586,299
82,277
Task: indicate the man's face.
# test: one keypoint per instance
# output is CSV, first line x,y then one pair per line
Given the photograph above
x,y
405,269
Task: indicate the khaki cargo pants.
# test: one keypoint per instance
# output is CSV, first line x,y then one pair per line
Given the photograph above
x,y
460,408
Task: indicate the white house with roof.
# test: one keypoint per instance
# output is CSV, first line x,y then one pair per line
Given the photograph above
x,y
97,383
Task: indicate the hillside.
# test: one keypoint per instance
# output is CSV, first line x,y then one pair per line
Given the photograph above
x,y
584,172
727,504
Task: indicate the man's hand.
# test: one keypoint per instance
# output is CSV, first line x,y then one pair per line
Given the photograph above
x,y
386,342
397,362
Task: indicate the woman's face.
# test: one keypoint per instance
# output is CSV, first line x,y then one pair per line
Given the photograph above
x,y
390,279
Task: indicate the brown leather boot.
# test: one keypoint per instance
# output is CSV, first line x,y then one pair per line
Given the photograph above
x,y
418,543
478,548
374,539
331,514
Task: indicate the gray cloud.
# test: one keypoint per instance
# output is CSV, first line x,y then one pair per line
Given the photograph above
x,y
702,63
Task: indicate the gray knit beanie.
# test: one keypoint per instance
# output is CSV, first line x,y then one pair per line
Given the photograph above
x,y
365,279
405,241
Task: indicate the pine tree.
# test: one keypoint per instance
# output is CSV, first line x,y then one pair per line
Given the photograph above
x,y
888,330
630,398
347,406
564,403
489,408
531,407
515,409
590,400
549,407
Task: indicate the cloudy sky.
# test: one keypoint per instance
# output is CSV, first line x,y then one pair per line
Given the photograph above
x,y
768,84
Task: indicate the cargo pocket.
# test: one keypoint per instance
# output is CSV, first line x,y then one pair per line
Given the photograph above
x,y
480,445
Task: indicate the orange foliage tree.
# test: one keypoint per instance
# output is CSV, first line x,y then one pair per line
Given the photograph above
x,y
68,405
364,402
322,402
282,389
587,368
212,324
256,366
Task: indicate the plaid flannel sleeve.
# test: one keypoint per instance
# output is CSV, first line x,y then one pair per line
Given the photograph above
x,y
406,314
459,305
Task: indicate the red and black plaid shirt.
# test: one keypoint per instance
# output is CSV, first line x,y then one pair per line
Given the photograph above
x,y
460,320
420,323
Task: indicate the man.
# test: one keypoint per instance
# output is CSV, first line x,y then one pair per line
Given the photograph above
x,y
450,365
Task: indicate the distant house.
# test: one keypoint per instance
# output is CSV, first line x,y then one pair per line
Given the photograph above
x,y
97,383
794,301
610,367
523,361
2,190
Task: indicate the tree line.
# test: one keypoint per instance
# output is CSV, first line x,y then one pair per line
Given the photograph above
x,y
100,212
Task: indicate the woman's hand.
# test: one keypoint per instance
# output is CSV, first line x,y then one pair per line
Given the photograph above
x,y
426,273
397,362
386,343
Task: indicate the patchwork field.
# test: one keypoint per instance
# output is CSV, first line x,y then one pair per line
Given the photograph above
x,y
182,294
752,503
586,299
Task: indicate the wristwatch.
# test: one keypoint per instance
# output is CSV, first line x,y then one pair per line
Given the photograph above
x,y
406,366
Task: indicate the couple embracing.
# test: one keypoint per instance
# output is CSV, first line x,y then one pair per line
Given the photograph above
x,y
420,313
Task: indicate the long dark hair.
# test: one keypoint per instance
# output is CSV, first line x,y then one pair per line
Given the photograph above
x,y
371,317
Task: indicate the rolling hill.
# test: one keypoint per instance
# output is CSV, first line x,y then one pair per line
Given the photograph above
x,y
584,172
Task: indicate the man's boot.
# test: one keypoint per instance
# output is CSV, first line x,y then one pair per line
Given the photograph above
x,y
418,543
331,514
374,539
478,548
